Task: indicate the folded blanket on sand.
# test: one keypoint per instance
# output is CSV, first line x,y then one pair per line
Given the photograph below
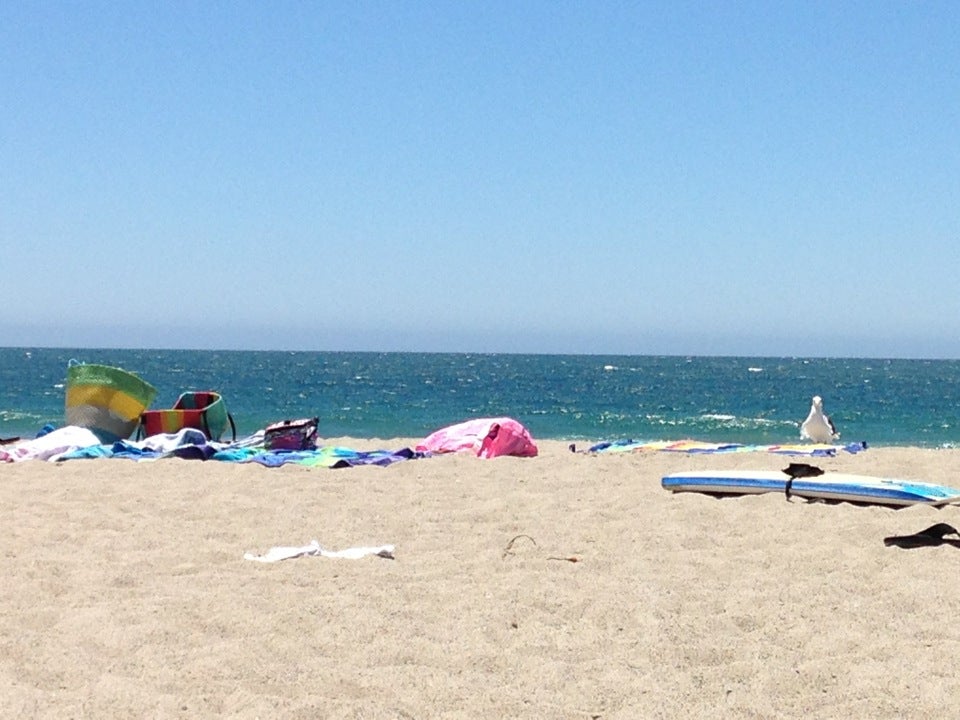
x,y
330,456
696,446
314,549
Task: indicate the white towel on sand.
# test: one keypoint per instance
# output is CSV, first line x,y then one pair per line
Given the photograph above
x,y
50,446
314,549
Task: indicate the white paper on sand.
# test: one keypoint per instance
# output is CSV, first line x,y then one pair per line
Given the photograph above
x,y
314,549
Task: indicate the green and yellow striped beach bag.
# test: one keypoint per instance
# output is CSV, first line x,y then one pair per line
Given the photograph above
x,y
106,400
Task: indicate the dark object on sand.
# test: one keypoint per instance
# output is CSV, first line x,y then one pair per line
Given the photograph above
x,y
798,470
931,537
801,470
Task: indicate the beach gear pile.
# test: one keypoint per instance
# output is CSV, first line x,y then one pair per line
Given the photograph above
x,y
105,406
74,443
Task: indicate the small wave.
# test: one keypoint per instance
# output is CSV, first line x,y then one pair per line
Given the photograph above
x,y
15,416
744,423
768,422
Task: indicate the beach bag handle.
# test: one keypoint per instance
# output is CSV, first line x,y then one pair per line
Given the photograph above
x,y
233,426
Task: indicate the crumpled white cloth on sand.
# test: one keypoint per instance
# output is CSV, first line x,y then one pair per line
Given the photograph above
x,y
314,549
50,446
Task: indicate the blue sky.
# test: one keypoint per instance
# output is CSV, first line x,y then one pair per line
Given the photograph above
x,y
593,177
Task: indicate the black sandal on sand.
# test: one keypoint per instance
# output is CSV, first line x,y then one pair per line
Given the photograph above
x,y
931,537
801,470
798,470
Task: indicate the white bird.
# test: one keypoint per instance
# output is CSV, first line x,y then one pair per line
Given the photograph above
x,y
818,427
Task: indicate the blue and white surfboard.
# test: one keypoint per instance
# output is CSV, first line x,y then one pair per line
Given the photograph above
x,y
829,486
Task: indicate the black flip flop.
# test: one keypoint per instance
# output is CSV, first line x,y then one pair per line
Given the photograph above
x,y
931,537
798,470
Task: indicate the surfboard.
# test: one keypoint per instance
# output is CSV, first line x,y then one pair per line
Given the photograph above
x,y
829,486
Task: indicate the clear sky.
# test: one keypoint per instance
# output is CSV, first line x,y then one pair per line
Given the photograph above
x,y
747,178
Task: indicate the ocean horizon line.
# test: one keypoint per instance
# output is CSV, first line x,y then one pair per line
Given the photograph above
x,y
485,353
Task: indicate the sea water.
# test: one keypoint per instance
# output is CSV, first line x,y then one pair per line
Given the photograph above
x,y
587,398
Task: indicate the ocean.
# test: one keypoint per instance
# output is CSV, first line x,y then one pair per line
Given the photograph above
x,y
587,398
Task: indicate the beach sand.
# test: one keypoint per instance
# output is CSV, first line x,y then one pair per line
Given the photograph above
x,y
562,586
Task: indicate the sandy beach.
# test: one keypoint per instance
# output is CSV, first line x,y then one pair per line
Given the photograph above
x,y
562,586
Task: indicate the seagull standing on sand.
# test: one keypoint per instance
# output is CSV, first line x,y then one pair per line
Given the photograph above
x,y
818,427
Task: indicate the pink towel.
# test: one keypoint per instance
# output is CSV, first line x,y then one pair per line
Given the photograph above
x,y
486,437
